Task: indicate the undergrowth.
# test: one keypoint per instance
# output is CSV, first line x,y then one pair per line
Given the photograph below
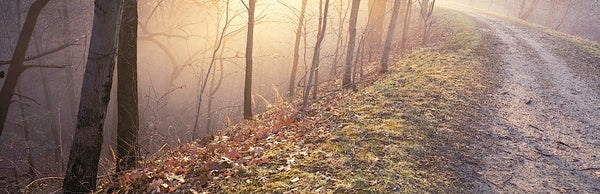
x,y
396,135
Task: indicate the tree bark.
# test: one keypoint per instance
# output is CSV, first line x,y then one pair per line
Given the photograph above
x,y
249,49
390,36
16,63
127,91
347,79
292,86
82,167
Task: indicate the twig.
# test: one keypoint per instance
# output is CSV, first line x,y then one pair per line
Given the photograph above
x,y
41,179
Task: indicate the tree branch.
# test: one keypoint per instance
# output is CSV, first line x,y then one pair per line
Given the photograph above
x,y
27,98
49,52
44,66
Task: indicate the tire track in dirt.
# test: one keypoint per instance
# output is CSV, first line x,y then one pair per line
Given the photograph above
x,y
545,118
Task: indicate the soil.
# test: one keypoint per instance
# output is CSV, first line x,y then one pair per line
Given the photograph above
x,y
542,126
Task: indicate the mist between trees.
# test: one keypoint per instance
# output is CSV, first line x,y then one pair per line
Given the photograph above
x,y
193,59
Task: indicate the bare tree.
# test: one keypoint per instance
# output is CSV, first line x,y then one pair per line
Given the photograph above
x,y
390,36
406,23
219,42
315,60
82,167
292,86
347,79
426,12
249,48
377,10
127,90
16,67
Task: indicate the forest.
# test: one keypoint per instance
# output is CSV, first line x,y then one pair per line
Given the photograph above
x,y
299,96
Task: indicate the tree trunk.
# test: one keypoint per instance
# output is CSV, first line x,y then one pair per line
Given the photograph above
x,y
377,10
292,86
347,79
82,167
390,36
249,47
214,88
27,136
406,23
16,63
315,81
71,93
316,53
127,91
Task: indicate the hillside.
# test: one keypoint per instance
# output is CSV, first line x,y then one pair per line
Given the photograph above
x,y
403,132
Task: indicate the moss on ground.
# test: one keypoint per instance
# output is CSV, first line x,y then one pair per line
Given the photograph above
x,y
388,133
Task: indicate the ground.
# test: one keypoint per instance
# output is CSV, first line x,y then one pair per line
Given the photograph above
x,y
498,106
544,128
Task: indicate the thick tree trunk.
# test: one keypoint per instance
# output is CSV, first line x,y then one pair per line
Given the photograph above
x,y
249,49
292,86
316,53
16,63
127,91
390,36
82,167
347,79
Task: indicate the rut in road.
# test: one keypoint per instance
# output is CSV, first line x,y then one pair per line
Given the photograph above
x,y
545,128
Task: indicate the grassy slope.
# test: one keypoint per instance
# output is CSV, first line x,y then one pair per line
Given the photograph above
x,y
400,134
386,129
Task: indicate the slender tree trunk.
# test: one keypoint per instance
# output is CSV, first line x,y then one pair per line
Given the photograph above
x,y
390,36
71,93
27,136
315,81
292,86
406,23
316,53
377,10
218,41
347,79
82,167
213,90
340,40
52,120
16,63
49,102
249,49
26,132
127,90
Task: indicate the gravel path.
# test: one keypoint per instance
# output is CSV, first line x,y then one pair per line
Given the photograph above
x,y
545,117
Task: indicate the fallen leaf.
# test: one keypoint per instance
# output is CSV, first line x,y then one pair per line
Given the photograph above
x,y
597,174
295,180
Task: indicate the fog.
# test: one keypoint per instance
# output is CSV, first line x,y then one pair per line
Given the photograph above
x,y
575,17
178,40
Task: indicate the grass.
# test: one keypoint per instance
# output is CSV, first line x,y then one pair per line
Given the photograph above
x,y
388,132
398,134
589,46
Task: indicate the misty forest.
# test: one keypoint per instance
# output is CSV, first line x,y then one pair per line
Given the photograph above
x,y
299,96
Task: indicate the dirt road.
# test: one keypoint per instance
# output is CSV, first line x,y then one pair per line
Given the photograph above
x,y
544,130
